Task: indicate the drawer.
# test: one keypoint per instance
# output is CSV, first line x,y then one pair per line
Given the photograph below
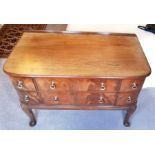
x,y
80,84
127,98
58,98
131,85
99,85
29,97
56,84
96,98
23,84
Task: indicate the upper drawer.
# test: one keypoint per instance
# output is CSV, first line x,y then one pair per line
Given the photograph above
x,y
98,84
77,84
24,84
56,84
131,84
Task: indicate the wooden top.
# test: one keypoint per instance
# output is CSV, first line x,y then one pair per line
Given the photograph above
x,y
77,54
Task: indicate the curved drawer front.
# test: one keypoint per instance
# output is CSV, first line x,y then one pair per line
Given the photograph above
x,y
23,84
96,98
29,97
131,85
80,91
127,98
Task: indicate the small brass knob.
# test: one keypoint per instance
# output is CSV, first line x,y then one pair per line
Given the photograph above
x,y
53,85
129,99
102,86
134,85
101,100
20,85
26,98
55,100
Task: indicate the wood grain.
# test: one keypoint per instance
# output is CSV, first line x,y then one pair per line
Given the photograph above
x,y
77,84
69,54
23,84
127,84
129,98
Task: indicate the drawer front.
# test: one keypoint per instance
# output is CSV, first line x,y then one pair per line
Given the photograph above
x,y
131,85
23,84
56,84
99,85
58,98
71,84
127,98
96,98
29,97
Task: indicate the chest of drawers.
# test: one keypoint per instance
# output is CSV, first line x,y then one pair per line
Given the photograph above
x,y
62,70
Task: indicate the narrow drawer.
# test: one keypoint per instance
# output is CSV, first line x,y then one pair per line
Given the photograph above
x,y
23,84
58,98
56,84
96,98
29,97
98,84
127,98
131,85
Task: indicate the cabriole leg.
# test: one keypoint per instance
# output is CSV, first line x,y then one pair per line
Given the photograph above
x,y
130,111
30,114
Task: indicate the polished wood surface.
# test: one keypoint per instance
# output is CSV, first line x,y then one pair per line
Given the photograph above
x,y
62,70
73,54
72,91
23,84
77,84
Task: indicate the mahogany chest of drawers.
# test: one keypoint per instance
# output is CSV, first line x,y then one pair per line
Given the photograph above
x,y
75,70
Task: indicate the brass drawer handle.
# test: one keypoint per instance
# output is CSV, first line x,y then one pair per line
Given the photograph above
x,y
134,85
20,84
101,100
53,85
102,86
129,99
26,98
55,100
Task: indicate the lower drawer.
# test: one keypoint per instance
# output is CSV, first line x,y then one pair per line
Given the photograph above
x,y
78,98
58,98
29,97
127,98
96,98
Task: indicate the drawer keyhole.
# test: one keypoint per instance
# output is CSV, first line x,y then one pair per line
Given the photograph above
x,y
53,85
20,85
102,86
101,100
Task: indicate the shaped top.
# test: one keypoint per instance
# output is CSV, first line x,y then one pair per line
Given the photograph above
x,y
77,54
